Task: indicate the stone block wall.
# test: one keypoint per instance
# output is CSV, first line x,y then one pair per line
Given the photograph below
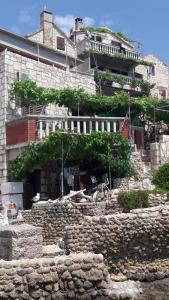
x,y
53,220
79,276
20,241
125,240
160,77
159,153
45,75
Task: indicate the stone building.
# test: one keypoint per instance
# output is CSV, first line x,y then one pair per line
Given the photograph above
x,y
51,59
52,36
47,57
158,75
107,51
122,57
37,59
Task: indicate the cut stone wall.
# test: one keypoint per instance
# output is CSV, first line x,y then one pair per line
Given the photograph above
x,y
159,153
54,218
67,277
45,75
160,79
20,241
125,240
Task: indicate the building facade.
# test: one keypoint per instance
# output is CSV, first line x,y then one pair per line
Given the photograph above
x,y
51,59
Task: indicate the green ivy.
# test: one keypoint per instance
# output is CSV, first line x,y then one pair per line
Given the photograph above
x,y
121,56
101,147
107,77
106,30
116,106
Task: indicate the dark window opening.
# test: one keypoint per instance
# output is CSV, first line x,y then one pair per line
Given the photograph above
x,y
153,70
162,94
98,39
116,44
60,43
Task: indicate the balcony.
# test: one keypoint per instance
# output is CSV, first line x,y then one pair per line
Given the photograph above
x,y
134,85
36,127
86,45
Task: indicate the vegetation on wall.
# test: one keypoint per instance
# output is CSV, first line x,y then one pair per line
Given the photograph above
x,y
161,177
108,149
117,105
107,77
107,30
121,56
132,200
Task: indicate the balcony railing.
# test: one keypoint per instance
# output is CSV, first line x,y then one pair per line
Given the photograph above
x,y
75,124
104,48
39,126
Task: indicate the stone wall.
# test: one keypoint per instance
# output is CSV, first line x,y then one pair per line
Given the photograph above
x,y
67,277
3,104
54,218
159,153
45,75
20,241
160,77
125,240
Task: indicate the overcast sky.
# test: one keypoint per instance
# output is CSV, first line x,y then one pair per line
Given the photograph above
x,y
146,20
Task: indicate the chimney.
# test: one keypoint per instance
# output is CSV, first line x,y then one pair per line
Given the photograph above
x,y
46,23
78,24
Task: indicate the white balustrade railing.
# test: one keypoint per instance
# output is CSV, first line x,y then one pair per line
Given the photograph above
x,y
74,124
88,44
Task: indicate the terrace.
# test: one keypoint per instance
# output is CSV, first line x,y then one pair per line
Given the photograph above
x,y
87,45
36,127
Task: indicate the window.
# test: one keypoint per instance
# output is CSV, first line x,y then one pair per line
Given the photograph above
x,y
60,43
162,94
153,70
98,39
114,43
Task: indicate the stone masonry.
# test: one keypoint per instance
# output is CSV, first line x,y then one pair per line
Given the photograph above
x,y
45,75
82,276
20,241
128,242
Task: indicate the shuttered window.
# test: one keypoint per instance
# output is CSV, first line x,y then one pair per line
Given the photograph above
x,y
60,43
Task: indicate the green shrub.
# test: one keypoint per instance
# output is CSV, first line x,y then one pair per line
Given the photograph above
x,y
132,200
161,177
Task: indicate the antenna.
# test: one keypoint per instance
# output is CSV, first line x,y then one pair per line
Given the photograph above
x,y
45,7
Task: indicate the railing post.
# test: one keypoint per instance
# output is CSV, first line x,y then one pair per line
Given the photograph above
x,y
66,124
102,126
72,125
114,126
108,126
90,126
97,126
78,126
84,127
47,128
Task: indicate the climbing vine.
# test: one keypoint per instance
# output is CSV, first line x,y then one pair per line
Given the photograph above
x,y
121,56
107,78
106,30
102,147
117,105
